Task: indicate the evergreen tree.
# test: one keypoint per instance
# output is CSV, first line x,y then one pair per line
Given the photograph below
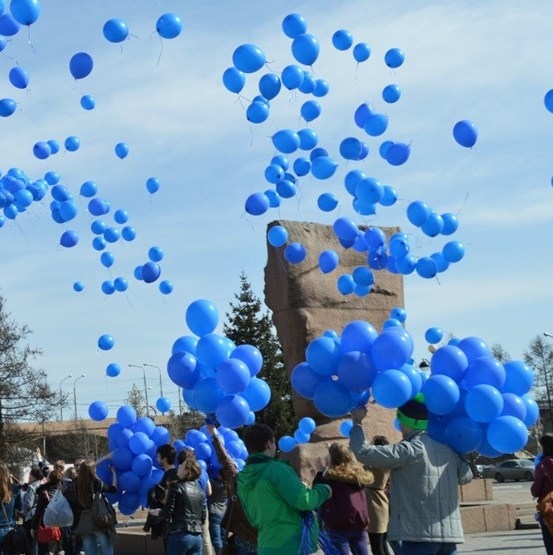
x,y
136,400
247,324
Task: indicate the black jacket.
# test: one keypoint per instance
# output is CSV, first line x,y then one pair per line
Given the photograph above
x,y
185,508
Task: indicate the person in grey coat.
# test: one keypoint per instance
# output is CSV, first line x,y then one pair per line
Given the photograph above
x,y
425,475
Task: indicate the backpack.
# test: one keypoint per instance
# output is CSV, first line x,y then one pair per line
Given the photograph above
x,y
58,512
102,512
545,509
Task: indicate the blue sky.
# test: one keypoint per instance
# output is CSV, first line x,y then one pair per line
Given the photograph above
x,y
487,62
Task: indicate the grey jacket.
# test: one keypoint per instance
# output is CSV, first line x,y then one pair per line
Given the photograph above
x,y
424,494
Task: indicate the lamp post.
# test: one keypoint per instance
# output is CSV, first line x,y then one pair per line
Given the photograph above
x,y
61,402
160,380
547,334
145,385
75,394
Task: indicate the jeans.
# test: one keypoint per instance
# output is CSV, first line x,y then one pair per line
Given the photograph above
x,y
184,543
428,548
547,539
349,541
215,531
91,543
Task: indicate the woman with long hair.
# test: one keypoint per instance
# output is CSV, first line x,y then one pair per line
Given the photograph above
x,y
10,500
86,485
44,493
543,484
185,510
345,515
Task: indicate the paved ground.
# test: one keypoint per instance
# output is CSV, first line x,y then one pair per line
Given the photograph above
x,y
514,542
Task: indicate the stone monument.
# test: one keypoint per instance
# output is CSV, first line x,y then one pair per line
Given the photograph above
x,y
305,303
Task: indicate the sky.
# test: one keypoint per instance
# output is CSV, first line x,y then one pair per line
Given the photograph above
x,y
484,61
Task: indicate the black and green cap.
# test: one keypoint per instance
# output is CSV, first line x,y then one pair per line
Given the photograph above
x,y
414,413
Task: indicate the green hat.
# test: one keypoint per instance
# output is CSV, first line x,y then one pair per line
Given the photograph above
x,y
414,413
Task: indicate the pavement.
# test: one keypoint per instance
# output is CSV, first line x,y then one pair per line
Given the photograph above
x,y
512,542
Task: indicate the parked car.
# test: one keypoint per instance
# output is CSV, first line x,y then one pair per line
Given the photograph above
x,y
511,469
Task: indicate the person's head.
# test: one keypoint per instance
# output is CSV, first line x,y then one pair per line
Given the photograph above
x,y
91,456
166,454
380,440
77,465
70,473
259,438
55,476
413,415
60,465
185,454
45,471
340,454
35,474
546,442
189,470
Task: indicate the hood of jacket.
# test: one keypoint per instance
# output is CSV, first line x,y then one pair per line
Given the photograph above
x,y
355,475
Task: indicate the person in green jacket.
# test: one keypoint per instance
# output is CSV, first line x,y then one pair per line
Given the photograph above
x,y
274,497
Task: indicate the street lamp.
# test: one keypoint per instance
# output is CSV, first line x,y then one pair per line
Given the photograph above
x,y
547,334
75,394
61,402
160,381
145,385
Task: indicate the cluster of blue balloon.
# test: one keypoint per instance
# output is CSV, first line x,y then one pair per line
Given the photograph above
x,y
367,192
200,440
475,402
302,434
216,375
133,442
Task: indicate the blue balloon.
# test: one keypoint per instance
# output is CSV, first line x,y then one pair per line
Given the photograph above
x,y
327,202
328,261
286,444
128,233
310,110
248,58
323,167
80,65
453,251
69,239
269,85
391,93
464,435
9,26
358,335
150,272
361,52
292,76
122,150
345,428
391,349
18,77
106,342
257,394
394,57
342,39
433,335
232,411
169,26
307,86
115,30
152,185
295,253
166,287
286,141
376,124
202,317
7,107
78,286
307,425
98,410
355,371
519,378
233,375
126,416
507,434
257,112
277,236
397,154
305,380
107,259
391,388
25,12
483,403
305,48
256,204
450,361
417,212
465,133
72,143
548,100
113,370
321,88
234,80
293,25
332,399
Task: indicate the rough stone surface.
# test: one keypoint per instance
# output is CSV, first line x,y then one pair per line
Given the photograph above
x,y
305,302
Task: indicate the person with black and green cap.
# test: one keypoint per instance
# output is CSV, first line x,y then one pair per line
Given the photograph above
x,y
425,475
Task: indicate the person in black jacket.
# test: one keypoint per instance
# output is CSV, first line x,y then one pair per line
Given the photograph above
x,y
185,510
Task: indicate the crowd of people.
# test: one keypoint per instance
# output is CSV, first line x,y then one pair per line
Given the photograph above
x,y
372,496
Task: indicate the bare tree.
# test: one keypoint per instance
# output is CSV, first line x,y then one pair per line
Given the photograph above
x,y
24,392
540,358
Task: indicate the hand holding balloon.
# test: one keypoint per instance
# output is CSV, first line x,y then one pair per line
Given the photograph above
x,y
358,415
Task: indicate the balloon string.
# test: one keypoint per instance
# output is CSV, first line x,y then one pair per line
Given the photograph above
x,y
29,42
160,51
